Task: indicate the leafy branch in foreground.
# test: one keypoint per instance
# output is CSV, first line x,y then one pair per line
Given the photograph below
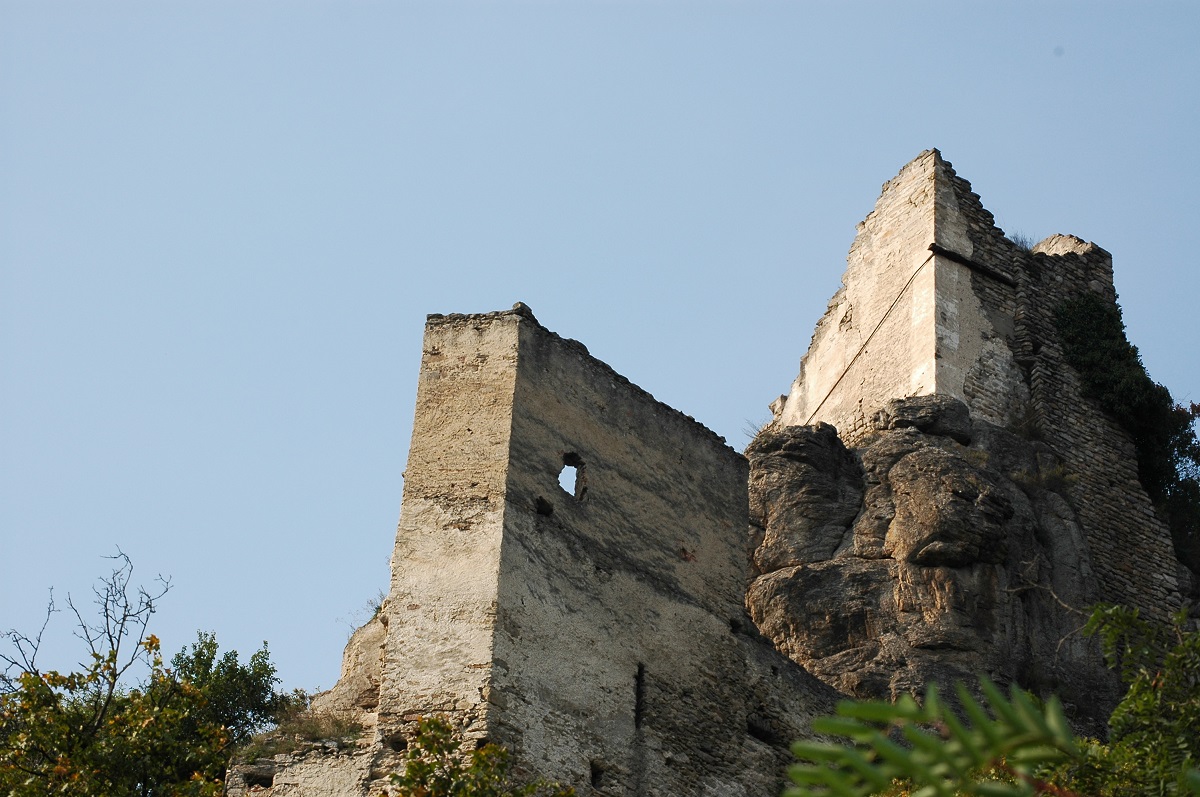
x,y
1010,746
931,746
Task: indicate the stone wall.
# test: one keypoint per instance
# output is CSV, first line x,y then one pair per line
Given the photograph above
x,y
1131,547
925,306
599,632
876,339
973,319
572,561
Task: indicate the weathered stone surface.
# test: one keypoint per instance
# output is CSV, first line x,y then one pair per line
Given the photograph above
x,y
937,304
315,770
935,414
600,634
806,489
954,569
909,319
947,512
356,695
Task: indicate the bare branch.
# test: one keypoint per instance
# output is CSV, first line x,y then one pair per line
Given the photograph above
x,y
23,659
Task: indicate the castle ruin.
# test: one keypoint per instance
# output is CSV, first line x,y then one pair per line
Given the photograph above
x,y
665,619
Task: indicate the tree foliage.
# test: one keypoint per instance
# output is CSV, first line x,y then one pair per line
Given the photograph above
x,y
1094,343
1154,733
90,733
1007,746
241,698
436,765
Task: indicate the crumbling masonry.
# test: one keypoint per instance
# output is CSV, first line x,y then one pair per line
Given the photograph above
x,y
601,628
935,300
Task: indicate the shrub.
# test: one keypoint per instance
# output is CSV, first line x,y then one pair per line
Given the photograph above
x,y
436,766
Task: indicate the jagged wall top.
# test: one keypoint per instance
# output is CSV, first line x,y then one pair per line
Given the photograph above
x,y
909,318
936,300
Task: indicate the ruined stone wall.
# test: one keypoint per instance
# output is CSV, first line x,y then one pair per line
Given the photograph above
x,y
600,634
925,307
975,305
877,335
1131,547
619,647
441,609
990,312
1016,376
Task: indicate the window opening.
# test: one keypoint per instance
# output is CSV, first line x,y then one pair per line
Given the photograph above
x,y
571,477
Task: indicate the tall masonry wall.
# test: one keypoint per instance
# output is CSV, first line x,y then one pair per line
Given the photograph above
x,y
623,657
914,315
600,634
876,338
935,299
1131,548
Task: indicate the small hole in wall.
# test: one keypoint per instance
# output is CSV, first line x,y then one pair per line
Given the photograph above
x,y
760,729
571,478
598,773
398,743
253,780
543,507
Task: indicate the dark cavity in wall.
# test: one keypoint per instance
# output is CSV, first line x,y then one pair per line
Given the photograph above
x,y
259,781
598,772
639,696
759,729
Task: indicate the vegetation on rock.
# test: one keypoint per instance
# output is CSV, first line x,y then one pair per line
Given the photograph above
x,y
1094,343
435,765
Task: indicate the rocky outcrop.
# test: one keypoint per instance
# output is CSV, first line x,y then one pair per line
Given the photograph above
x,y
939,550
355,697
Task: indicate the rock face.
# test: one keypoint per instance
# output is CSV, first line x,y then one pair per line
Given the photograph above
x,y
936,301
920,558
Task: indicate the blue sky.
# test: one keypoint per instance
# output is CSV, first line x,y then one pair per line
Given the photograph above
x,y
222,225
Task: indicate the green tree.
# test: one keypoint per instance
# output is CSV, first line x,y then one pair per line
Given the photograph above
x,y
1154,733
436,766
1005,746
241,698
89,733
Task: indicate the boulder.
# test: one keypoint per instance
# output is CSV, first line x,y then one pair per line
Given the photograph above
x,y
936,415
917,559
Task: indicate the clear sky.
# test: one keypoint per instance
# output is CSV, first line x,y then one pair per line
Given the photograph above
x,y
222,225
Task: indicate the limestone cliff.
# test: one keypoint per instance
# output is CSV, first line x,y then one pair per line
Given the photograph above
x,y
985,501
941,549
